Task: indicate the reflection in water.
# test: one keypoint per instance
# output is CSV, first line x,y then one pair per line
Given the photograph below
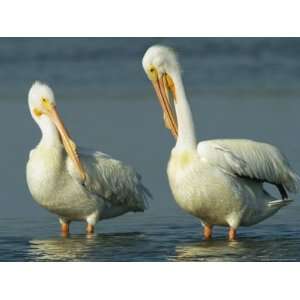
x,y
209,251
244,250
82,247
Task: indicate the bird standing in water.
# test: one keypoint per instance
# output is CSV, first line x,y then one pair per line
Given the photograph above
x,y
75,184
218,181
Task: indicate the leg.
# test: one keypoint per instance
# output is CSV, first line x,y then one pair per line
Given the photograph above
x,y
91,221
232,234
90,228
65,228
207,232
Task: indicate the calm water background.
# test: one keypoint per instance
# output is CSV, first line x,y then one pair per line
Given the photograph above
x,y
238,88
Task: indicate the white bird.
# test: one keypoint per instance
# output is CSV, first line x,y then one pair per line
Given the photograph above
x,y
218,181
76,185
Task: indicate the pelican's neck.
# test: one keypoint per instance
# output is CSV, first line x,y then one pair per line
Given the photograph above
x,y
186,131
50,135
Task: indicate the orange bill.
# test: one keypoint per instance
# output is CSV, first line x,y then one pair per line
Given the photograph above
x,y
69,145
161,89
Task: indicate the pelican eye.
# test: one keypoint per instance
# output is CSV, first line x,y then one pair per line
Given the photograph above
x,y
152,73
46,103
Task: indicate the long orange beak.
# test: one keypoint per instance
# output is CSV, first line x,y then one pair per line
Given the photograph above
x,y
69,145
162,88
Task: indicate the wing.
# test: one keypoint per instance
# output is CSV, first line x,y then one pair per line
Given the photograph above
x,y
111,180
250,159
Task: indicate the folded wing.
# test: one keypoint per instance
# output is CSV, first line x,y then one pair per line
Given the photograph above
x,y
254,160
112,180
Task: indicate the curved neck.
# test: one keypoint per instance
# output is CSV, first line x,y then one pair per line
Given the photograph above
x,y
50,135
186,131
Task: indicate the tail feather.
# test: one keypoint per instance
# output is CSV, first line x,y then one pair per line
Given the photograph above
x,y
279,203
142,197
147,196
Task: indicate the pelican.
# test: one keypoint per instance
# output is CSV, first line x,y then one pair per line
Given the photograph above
x,y
76,184
218,181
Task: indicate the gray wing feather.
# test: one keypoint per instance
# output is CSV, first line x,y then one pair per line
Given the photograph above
x,y
250,159
113,180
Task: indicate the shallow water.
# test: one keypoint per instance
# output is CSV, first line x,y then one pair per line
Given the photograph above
x,y
165,240
238,88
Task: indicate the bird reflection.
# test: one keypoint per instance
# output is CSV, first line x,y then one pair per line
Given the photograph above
x,y
81,247
210,251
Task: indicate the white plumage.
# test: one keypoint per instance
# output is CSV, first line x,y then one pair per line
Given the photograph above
x,y
218,181
76,184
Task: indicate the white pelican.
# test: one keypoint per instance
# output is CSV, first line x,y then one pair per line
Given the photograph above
x,y
76,184
218,181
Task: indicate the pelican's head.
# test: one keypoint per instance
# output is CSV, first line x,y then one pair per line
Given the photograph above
x,y
161,66
42,107
41,100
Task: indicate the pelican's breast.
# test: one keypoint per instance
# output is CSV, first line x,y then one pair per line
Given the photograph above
x,y
201,189
53,188
185,178
44,171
